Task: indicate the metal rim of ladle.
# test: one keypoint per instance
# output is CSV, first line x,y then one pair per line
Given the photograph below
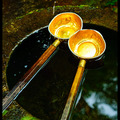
x,y
98,56
57,16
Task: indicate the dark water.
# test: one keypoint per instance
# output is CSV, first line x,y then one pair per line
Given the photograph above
x,y
46,95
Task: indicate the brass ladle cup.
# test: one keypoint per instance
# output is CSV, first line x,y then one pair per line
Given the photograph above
x,y
86,44
61,27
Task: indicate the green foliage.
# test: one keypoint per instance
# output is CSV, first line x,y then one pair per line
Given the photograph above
x,y
5,111
115,10
111,2
83,6
30,12
72,6
29,118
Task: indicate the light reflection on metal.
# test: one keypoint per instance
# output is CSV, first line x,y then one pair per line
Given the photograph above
x,y
87,44
85,49
64,25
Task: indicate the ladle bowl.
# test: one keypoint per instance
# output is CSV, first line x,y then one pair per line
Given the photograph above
x,y
86,44
64,25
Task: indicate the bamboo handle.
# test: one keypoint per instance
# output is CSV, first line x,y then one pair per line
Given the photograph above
x,y
73,91
28,76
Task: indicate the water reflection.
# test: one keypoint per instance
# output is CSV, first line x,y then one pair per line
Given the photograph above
x,y
91,99
103,107
106,109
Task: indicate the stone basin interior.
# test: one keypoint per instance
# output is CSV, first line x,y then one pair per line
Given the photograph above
x,y
46,95
99,92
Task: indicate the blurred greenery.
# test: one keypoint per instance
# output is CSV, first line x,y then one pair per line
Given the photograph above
x,y
29,117
111,2
5,111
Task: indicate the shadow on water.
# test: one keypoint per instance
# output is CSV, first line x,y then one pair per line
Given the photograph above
x,y
46,95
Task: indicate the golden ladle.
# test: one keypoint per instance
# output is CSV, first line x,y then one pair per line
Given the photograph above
x,y
64,25
86,44
61,27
